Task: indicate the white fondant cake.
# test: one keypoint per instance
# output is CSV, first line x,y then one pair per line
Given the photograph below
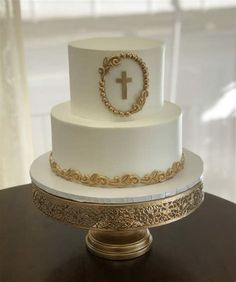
x,y
89,137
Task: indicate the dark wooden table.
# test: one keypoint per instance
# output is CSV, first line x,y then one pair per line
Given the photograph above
x,y
34,248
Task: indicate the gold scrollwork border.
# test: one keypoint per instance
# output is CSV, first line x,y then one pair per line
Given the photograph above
x,y
126,180
110,62
119,217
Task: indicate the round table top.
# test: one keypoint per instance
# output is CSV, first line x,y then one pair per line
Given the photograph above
x,y
35,248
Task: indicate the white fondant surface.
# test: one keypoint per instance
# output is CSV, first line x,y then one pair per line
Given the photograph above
x,y
44,178
85,58
117,148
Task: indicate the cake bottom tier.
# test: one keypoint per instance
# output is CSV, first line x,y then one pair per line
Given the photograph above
x,y
116,149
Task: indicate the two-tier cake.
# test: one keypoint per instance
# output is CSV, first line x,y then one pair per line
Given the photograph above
x,y
117,162
117,130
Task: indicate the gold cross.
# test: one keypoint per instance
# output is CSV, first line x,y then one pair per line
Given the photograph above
x,y
124,80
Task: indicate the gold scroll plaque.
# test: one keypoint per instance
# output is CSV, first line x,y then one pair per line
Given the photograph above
x,y
110,62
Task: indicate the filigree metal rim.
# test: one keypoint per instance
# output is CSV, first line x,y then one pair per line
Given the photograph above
x,y
126,180
118,217
108,63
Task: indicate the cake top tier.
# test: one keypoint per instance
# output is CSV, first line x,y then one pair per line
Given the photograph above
x,y
116,43
116,79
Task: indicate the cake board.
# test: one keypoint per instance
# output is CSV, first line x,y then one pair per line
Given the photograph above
x,y
118,218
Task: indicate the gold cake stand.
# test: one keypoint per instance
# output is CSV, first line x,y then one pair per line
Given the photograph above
x,y
119,231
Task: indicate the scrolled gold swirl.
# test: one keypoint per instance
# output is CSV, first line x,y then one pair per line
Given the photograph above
x,y
126,180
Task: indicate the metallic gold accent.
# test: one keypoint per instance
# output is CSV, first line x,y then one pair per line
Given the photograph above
x,y
110,62
119,245
126,180
119,217
124,80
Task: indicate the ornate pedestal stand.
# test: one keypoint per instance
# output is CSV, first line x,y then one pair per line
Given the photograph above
x,y
118,218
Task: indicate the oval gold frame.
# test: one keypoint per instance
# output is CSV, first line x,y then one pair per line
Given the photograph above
x,y
110,62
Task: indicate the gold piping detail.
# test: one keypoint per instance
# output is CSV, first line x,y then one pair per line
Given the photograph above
x,y
126,180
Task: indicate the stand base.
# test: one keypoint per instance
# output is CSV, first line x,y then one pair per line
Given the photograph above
x,y
119,231
119,245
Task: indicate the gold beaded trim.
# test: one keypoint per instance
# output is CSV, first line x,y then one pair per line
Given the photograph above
x,y
110,62
126,180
